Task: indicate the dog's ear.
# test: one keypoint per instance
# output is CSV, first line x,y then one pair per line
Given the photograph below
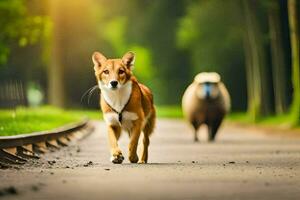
x,y
128,59
98,59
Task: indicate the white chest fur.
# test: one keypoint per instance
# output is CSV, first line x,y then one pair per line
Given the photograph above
x,y
112,118
117,99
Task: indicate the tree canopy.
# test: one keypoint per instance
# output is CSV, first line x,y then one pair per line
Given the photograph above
x,y
254,45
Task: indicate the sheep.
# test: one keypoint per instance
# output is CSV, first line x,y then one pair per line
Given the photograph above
x,y
206,101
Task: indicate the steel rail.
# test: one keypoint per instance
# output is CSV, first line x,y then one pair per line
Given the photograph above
x,y
18,149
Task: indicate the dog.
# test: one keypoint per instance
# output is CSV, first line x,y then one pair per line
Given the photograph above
x,y
126,105
206,101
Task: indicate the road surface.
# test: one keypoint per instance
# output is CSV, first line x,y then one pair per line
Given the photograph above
x,y
241,164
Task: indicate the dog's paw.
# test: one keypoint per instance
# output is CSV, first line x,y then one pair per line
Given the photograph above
x,y
133,158
142,162
117,159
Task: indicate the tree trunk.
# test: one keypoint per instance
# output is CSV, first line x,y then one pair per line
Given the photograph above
x,y
56,92
278,60
259,97
249,75
294,35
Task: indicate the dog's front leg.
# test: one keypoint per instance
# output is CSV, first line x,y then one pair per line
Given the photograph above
x,y
134,139
114,133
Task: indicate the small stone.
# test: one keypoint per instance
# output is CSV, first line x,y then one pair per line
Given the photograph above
x,y
9,190
4,166
231,162
107,169
34,188
88,164
41,184
267,184
51,162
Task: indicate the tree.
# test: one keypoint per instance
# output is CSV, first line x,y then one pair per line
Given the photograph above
x,y
56,93
158,21
17,26
278,57
257,82
78,31
211,33
294,35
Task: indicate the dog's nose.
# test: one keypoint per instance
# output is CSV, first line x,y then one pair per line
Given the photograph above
x,y
114,84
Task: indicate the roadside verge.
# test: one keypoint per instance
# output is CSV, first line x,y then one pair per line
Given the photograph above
x,y
19,149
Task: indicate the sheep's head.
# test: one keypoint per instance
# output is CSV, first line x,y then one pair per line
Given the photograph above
x,y
207,85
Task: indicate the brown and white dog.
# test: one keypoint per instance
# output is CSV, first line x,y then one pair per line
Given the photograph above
x,y
126,105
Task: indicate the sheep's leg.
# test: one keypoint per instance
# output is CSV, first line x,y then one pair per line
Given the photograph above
x,y
212,129
196,127
196,139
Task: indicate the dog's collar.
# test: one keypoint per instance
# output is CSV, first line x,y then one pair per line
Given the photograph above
x,y
120,116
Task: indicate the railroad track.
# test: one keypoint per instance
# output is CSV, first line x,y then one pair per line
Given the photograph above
x,y
17,150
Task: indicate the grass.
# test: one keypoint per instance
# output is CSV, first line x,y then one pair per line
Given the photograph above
x,y
161,112
169,112
284,121
27,120
91,114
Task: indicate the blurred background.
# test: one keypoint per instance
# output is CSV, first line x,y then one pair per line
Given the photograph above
x,y
46,48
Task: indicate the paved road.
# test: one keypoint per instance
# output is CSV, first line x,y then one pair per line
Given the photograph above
x,y
240,165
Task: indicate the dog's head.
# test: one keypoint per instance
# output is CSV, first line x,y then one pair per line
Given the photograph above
x,y
113,73
207,85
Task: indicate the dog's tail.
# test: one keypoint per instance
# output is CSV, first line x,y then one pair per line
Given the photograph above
x,y
150,124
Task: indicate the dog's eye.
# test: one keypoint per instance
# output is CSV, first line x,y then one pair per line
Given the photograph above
x,y
106,72
121,71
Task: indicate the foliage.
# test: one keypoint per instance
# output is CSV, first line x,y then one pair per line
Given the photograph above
x,y
212,33
173,41
17,25
114,33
